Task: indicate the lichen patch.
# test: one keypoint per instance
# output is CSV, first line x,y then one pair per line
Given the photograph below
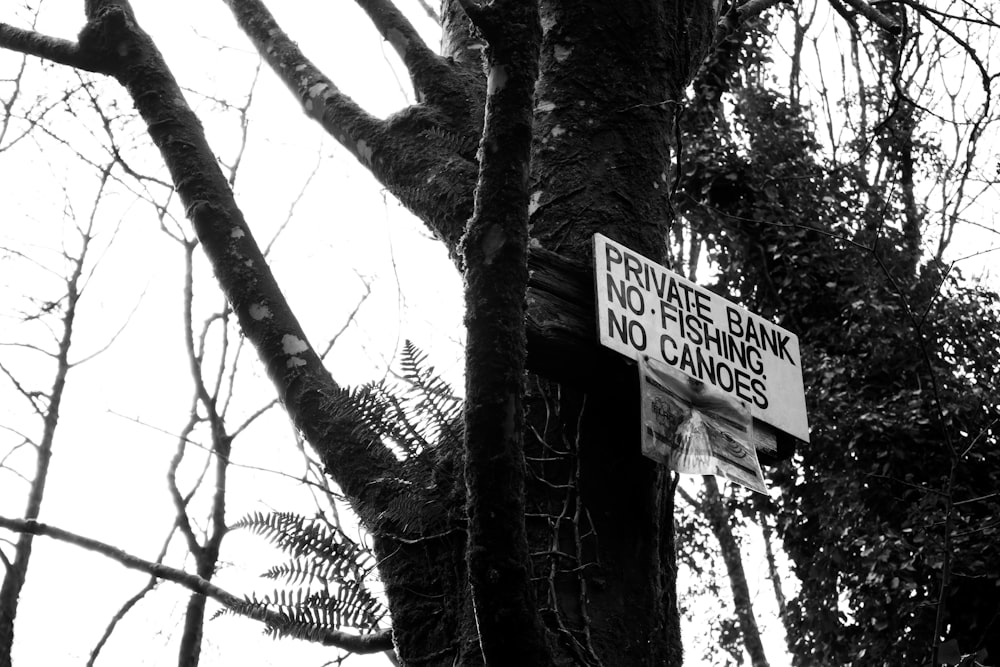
x,y
497,79
259,311
364,151
534,202
293,344
493,241
548,21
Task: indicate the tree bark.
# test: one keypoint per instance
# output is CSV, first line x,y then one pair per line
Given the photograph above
x,y
773,575
496,278
610,82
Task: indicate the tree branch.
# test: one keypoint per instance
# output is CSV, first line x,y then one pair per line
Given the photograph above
x,y
422,155
453,89
430,11
496,276
739,14
485,17
57,50
129,604
322,101
689,499
423,64
373,643
715,511
875,16
366,471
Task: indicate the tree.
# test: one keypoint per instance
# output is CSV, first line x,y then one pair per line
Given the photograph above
x,y
547,538
857,509
61,308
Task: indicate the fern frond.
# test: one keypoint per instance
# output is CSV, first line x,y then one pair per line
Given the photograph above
x,y
314,570
307,613
302,537
431,396
420,416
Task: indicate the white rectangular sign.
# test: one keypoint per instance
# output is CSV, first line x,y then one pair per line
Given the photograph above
x,y
644,308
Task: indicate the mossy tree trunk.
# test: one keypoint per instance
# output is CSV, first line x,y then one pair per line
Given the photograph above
x,y
594,541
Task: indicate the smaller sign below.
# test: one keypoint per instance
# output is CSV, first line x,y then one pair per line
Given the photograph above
x,y
696,429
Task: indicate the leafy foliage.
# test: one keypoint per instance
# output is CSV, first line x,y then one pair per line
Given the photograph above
x,y
889,514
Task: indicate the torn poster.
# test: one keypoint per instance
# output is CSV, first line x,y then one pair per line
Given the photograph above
x,y
696,429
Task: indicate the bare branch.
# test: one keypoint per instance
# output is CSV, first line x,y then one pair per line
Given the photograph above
x,y
30,396
114,337
739,14
57,50
875,16
245,466
29,346
349,319
244,111
17,474
431,12
354,458
182,520
962,43
373,643
118,617
688,498
129,604
290,214
424,65
339,115
422,155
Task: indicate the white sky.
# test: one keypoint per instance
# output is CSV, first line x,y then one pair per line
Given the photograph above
x,y
107,478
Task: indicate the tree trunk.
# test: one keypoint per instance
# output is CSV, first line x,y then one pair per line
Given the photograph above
x,y
599,514
16,573
600,517
718,516
774,576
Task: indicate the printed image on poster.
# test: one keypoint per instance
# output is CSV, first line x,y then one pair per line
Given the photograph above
x,y
696,430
